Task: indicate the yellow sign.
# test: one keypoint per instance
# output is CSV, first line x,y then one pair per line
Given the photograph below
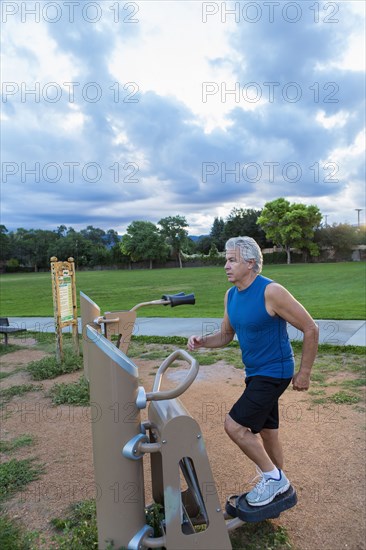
x,y
64,301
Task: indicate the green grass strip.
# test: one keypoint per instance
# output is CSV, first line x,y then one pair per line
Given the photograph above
x,y
16,474
14,537
4,350
344,398
18,390
296,345
264,535
16,443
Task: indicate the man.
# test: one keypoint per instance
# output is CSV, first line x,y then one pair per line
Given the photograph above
x,y
257,310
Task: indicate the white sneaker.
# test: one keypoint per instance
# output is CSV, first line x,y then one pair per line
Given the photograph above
x,y
267,489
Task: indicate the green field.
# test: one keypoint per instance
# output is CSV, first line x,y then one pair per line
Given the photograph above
x,y
328,291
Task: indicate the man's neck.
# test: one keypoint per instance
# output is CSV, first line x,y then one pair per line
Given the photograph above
x,y
245,283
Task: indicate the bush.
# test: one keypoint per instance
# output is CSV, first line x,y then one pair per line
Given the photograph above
x,y
12,265
79,529
76,393
48,367
274,258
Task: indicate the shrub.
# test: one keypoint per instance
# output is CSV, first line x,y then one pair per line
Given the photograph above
x,y
48,367
76,393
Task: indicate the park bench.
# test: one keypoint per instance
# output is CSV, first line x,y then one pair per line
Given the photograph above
x,y
6,329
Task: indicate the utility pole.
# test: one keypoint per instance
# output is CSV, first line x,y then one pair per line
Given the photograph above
x,y
358,210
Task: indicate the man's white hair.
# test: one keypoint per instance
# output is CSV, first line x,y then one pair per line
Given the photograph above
x,y
249,250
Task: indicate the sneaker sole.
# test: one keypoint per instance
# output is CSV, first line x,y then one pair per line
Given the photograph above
x,y
264,502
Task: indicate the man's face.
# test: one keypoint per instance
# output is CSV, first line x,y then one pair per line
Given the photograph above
x,y
236,268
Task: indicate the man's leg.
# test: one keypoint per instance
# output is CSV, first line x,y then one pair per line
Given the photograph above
x,y
258,407
251,444
273,446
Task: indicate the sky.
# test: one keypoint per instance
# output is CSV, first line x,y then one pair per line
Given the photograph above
x,y
118,111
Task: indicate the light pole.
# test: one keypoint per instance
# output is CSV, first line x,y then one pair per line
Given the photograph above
x,y
358,210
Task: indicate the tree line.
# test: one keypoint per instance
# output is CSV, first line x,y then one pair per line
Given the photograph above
x,y
281,224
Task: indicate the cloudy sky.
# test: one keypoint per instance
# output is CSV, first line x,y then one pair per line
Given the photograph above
x,y
118,111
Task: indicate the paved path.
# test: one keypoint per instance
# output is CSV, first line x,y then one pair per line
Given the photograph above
x,y
331,332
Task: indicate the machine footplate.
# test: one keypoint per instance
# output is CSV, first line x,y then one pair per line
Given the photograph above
x,y
237,506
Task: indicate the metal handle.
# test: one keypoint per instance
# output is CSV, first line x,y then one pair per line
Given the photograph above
x,y
102,320
157,395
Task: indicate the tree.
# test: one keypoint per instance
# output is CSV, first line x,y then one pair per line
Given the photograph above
x,y
30,246
41,241
61,231
213,253
117,256
74,245
111,238
173,230
94,235
99,253
217,233
341,237
5,244
143,241
243,221
291,225
203,244
21,246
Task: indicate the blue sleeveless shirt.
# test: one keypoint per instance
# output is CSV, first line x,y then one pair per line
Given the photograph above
x,y
263,339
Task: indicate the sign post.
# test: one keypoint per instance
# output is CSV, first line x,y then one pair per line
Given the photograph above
x,y
64,302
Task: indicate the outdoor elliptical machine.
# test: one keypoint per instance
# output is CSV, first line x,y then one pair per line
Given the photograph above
x,y
181,476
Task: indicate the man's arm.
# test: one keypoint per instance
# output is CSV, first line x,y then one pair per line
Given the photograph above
x,y
280,302
216,340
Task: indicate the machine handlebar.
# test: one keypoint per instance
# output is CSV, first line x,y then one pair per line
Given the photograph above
x,y
179,299
169,299
156,394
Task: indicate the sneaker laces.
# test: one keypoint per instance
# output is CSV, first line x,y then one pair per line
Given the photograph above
x,y
259,480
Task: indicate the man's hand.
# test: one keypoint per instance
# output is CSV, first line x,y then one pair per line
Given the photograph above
x,y
301,381
194,342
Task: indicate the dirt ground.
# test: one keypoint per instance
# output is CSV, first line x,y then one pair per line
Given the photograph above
x,y
324,448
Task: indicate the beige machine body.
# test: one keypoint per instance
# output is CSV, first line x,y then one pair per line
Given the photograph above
x,y
115,420
181,476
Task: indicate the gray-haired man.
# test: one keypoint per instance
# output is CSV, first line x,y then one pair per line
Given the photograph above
x,y
257,310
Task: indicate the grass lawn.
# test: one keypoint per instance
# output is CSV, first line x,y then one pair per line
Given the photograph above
x,y
328,291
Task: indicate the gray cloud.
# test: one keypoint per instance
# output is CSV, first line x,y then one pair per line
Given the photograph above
x,y
277,149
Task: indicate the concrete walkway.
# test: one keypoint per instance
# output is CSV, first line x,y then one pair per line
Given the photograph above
x,y
331,332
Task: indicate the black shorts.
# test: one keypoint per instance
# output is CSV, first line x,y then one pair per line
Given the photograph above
x,y
257,408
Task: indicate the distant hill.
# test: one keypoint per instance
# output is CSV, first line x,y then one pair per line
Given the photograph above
x,y
197,237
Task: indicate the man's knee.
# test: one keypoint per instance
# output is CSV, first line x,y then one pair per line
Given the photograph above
x,y
268,434
232,428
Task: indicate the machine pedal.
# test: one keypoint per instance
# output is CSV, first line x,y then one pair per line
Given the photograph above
x,y
238,507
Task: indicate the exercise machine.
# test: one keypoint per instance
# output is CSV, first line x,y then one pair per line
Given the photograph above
x,y
181,478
